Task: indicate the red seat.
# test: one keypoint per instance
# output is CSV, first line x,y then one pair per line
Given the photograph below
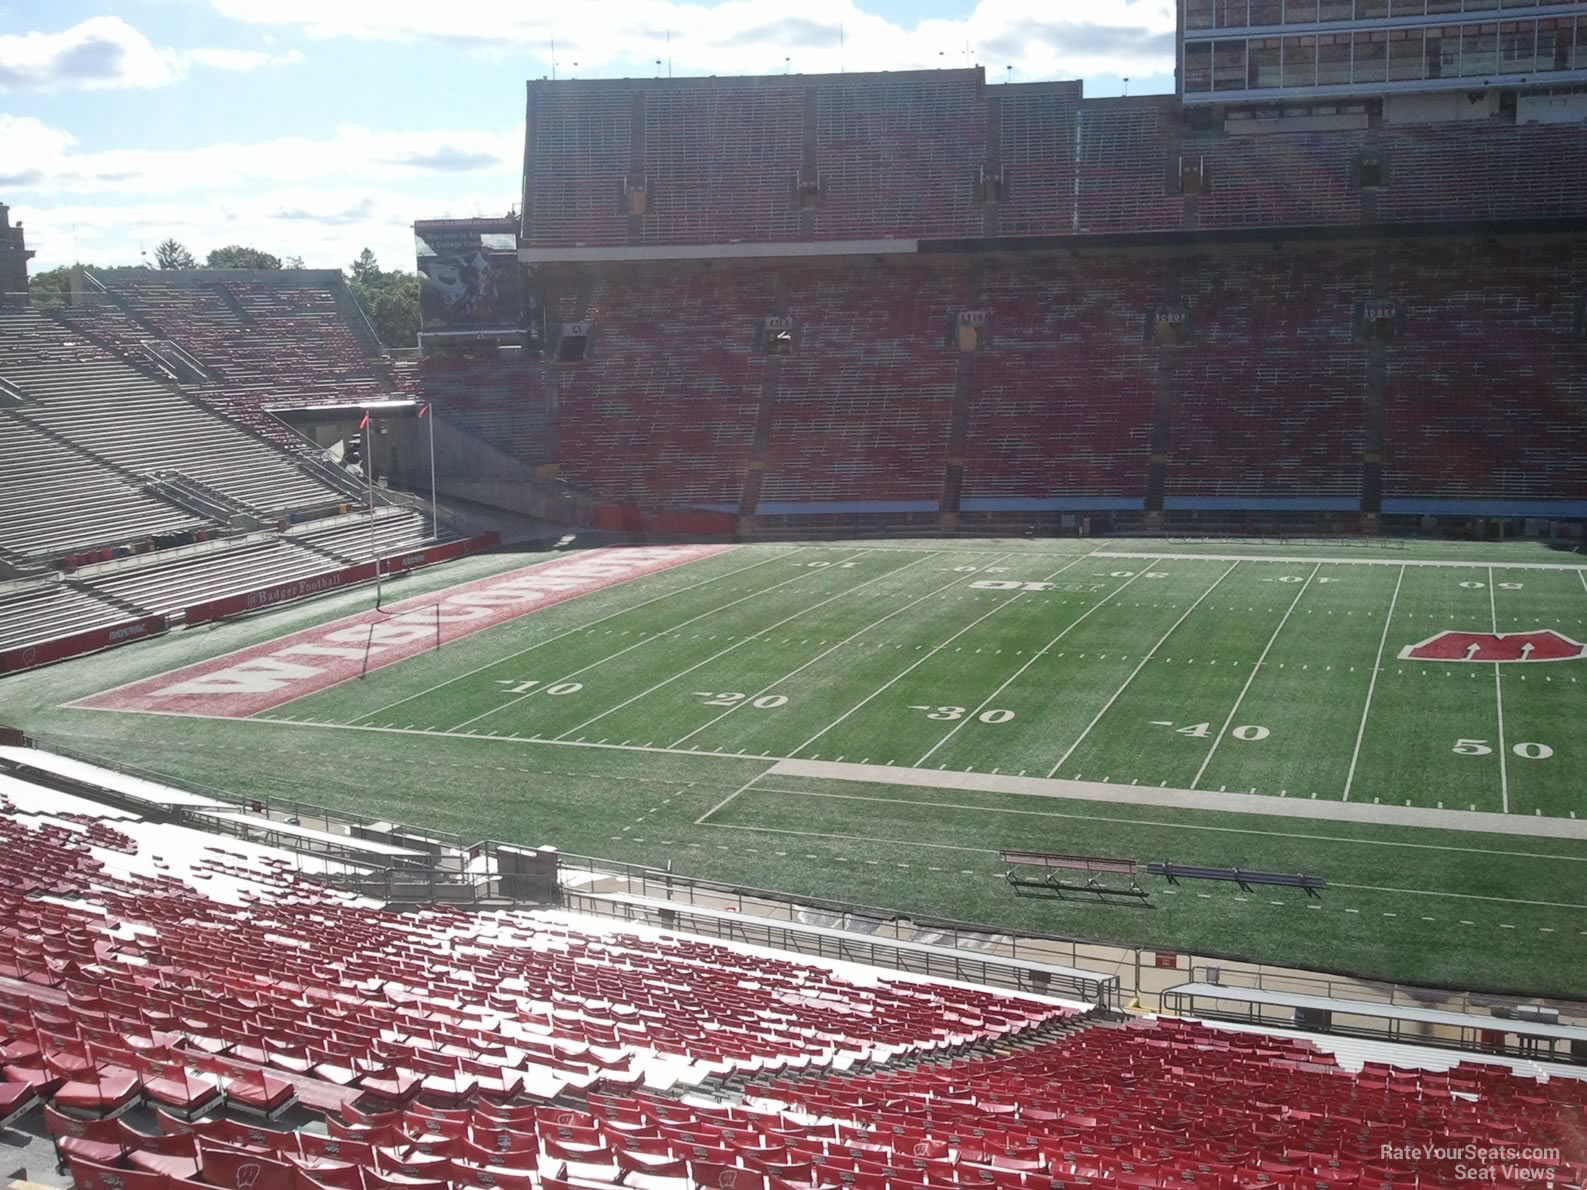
x,y
260,1093
238,1169
184,1169
16,1100
101,1151
109,1093
91,1175
170,1144
341,1175
182,1093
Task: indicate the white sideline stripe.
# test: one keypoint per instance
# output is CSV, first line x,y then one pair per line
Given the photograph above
x,y
792,673
1372,686
843,594
1255,669
1498,698
1109,704
928,654
1036,656
723,804
581,628
649,638
1468,821
1348,561
1178,826
1428,892
1127,555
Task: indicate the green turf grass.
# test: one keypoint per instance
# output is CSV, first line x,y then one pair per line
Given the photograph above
x,y
1133,670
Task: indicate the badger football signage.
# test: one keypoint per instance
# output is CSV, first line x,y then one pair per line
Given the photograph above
x,y
469,276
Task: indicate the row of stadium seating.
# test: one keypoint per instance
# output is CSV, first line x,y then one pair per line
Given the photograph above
x,y
51,610
269,1032
1268,400
111,466
898,157
100,405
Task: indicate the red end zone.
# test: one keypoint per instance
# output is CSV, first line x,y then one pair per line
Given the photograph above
x,y
236,685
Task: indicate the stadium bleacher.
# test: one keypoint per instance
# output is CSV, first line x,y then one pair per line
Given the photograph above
x,y
1486,387
186,1009
94,401
664,410
897,156
863,404
1063,396
1269,403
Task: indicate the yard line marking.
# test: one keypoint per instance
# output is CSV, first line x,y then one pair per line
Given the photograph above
x,y
1361,731
700,821
1255,669
580,628
1037,655
651,638
843,594
926,655
1152,652
1430,892
792,673
1498,697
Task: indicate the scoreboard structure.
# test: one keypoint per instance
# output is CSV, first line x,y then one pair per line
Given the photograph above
x,y
471,284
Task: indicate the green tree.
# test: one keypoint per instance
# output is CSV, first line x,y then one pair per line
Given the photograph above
x,y
366,268
294,262
390,300
50,288
169,254
235,256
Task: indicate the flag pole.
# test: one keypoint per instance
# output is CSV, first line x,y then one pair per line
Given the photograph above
x,y
369,473
435,517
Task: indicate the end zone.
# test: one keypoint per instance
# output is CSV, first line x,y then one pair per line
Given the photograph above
x,y
260,677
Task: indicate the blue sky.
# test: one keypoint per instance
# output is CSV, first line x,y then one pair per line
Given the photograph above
x,y
314,128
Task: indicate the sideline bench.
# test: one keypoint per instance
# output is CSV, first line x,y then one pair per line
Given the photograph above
x,y
1092,865
1245,878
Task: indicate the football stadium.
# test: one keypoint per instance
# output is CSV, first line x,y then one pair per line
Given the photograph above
x,y
897,629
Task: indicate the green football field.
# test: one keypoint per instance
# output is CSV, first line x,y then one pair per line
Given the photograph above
x,y
873,722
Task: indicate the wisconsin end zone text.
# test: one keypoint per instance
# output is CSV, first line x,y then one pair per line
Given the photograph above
x,y
259,678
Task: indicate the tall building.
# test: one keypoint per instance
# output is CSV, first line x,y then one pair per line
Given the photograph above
x,y
1493,55
14,256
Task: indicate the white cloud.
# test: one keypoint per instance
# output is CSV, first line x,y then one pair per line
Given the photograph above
x,y
292,196
1039,38
46,156
106,52
325,226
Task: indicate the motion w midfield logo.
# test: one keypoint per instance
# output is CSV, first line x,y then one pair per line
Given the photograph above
x,y
1540,644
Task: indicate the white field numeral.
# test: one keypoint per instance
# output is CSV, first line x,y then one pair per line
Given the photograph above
x,y
1526,751
732,698
996,715
517,686
1250,732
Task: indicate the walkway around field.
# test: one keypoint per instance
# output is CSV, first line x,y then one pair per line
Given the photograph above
x,y
1474,821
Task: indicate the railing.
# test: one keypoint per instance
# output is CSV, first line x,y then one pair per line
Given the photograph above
x,y
287,810
1345,988
975,941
